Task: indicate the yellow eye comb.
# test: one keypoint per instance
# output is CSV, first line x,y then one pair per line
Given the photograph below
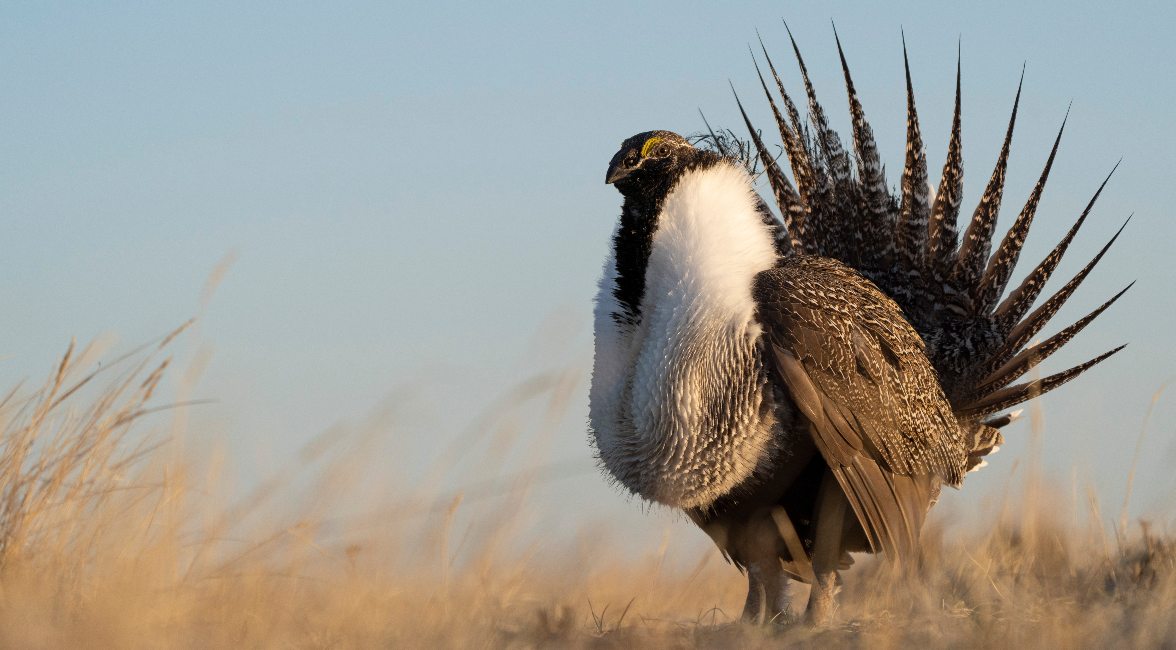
x,y
649,144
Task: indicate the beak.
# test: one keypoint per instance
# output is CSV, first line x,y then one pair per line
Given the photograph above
x,y
615,174
616,169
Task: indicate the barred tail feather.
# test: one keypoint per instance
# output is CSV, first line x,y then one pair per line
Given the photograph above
x,y
791,209
876,239
802,166
942,236
800,157
1000,268
1028,358
826,137
1022,298
790,106
915,212
1030,326
1013,395
831,227
978,238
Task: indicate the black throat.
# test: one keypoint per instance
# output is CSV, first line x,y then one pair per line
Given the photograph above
x,y
644,196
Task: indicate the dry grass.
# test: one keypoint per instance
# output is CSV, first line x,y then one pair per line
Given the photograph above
x,y
107,540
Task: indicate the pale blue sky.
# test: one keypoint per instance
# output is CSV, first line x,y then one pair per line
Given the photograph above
x,y
414,191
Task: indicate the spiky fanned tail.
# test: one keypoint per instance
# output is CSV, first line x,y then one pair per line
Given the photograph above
x,y
948,286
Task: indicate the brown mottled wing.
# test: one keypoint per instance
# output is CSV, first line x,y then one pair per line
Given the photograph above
x,y
859,372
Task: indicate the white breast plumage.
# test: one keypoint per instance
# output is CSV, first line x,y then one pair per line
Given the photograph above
x,y
678,403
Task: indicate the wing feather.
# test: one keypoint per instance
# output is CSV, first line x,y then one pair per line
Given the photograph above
x,y
859,373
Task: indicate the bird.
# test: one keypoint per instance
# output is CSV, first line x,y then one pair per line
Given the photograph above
x,y
802,381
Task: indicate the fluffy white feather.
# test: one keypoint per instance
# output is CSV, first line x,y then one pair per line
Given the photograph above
x,y
677,403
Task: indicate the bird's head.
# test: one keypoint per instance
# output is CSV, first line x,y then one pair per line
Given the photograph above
x,y
648,161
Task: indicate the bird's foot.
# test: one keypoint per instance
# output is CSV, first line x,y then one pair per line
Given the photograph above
x,y
822,604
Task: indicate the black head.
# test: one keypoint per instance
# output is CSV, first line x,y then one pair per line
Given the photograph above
x,y
648,161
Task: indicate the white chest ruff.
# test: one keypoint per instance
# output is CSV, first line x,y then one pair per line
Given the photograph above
x,y
678,403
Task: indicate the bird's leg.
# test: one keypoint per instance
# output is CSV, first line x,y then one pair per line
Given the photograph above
x,y
768,585
755,607
779,591
768,594
831,506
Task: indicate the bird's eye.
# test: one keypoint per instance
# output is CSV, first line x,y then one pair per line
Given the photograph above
x,y
661,151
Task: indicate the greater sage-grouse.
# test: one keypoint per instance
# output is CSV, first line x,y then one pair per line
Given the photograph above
x,y
802,385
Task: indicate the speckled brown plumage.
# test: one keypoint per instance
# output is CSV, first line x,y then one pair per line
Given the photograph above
x,y
860,374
